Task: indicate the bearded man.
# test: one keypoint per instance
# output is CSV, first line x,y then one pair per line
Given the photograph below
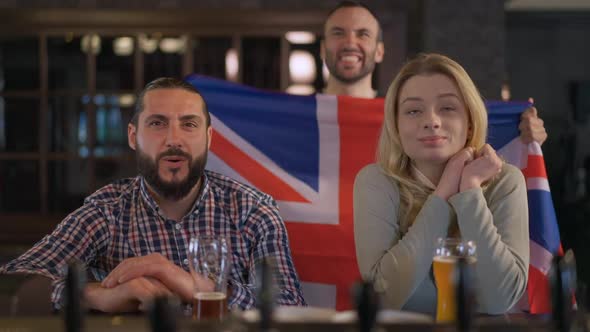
x,y
133,235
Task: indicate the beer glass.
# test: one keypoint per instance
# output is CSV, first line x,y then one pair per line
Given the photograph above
x,y
210,258
446,254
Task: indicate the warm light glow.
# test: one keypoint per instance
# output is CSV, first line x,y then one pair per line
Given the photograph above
x,y
505,93
301,89
90,43
69,37
126,100
300,37
123,46
173,45
301,67
232,65
147,45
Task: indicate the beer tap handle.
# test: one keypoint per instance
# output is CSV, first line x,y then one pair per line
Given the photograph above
x,y
562,278
162,315
569,277
73,306
464,296
367,305
265,297
570,283
582,298
582,312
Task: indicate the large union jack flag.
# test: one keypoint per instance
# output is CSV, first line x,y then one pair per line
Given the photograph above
x,y
305,151
543,231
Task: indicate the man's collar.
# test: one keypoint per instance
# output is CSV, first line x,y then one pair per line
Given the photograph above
x,y
201,196
147,196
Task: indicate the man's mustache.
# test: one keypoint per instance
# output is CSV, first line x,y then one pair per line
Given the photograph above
x,y
174,152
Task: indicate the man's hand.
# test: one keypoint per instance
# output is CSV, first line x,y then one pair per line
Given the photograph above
x,y
451,177
485,166
531,126
159,267
131,296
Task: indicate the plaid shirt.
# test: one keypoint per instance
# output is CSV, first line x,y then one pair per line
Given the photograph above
x,y
122,220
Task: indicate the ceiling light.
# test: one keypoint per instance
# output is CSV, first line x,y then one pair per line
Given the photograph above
x,y
301,89
232,65
123,46
90,43
300,37
302,68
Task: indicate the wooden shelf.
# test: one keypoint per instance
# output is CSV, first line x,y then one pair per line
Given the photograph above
x,y
21,94
60,156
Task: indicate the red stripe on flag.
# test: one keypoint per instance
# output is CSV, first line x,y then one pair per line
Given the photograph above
x,y
252,170
535,167
539,292
331,271
321,240
325,254
357,118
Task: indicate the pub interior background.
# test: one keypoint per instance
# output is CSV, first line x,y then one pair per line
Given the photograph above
x,y
69,70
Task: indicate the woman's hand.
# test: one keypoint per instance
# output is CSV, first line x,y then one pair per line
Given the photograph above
x,y
485,166
452,175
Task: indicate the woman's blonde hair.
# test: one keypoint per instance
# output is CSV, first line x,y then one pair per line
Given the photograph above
x,y
390,154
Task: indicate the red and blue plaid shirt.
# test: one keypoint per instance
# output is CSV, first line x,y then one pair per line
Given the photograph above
x,y
122,220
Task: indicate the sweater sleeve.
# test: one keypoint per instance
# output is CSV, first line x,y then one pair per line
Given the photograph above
x,y
498,223
396,264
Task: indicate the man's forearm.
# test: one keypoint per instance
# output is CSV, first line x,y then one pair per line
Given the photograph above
x,y
107,299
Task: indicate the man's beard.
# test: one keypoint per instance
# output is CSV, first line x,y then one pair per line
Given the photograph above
x,y
367,67
171,190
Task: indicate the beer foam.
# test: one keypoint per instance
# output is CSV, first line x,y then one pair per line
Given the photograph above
x,y
445,259
453,259
210,296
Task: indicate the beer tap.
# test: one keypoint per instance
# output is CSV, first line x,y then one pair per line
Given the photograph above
x,y
367,305
582,324
563,281
74,288
464,296
265,297
162,314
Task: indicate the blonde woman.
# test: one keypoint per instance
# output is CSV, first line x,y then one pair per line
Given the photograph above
x,y
436,177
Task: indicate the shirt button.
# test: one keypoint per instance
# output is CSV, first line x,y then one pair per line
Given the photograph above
x,y
185,262
178,227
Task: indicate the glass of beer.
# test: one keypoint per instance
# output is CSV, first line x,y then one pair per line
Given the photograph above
x,y
446,254
209,264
